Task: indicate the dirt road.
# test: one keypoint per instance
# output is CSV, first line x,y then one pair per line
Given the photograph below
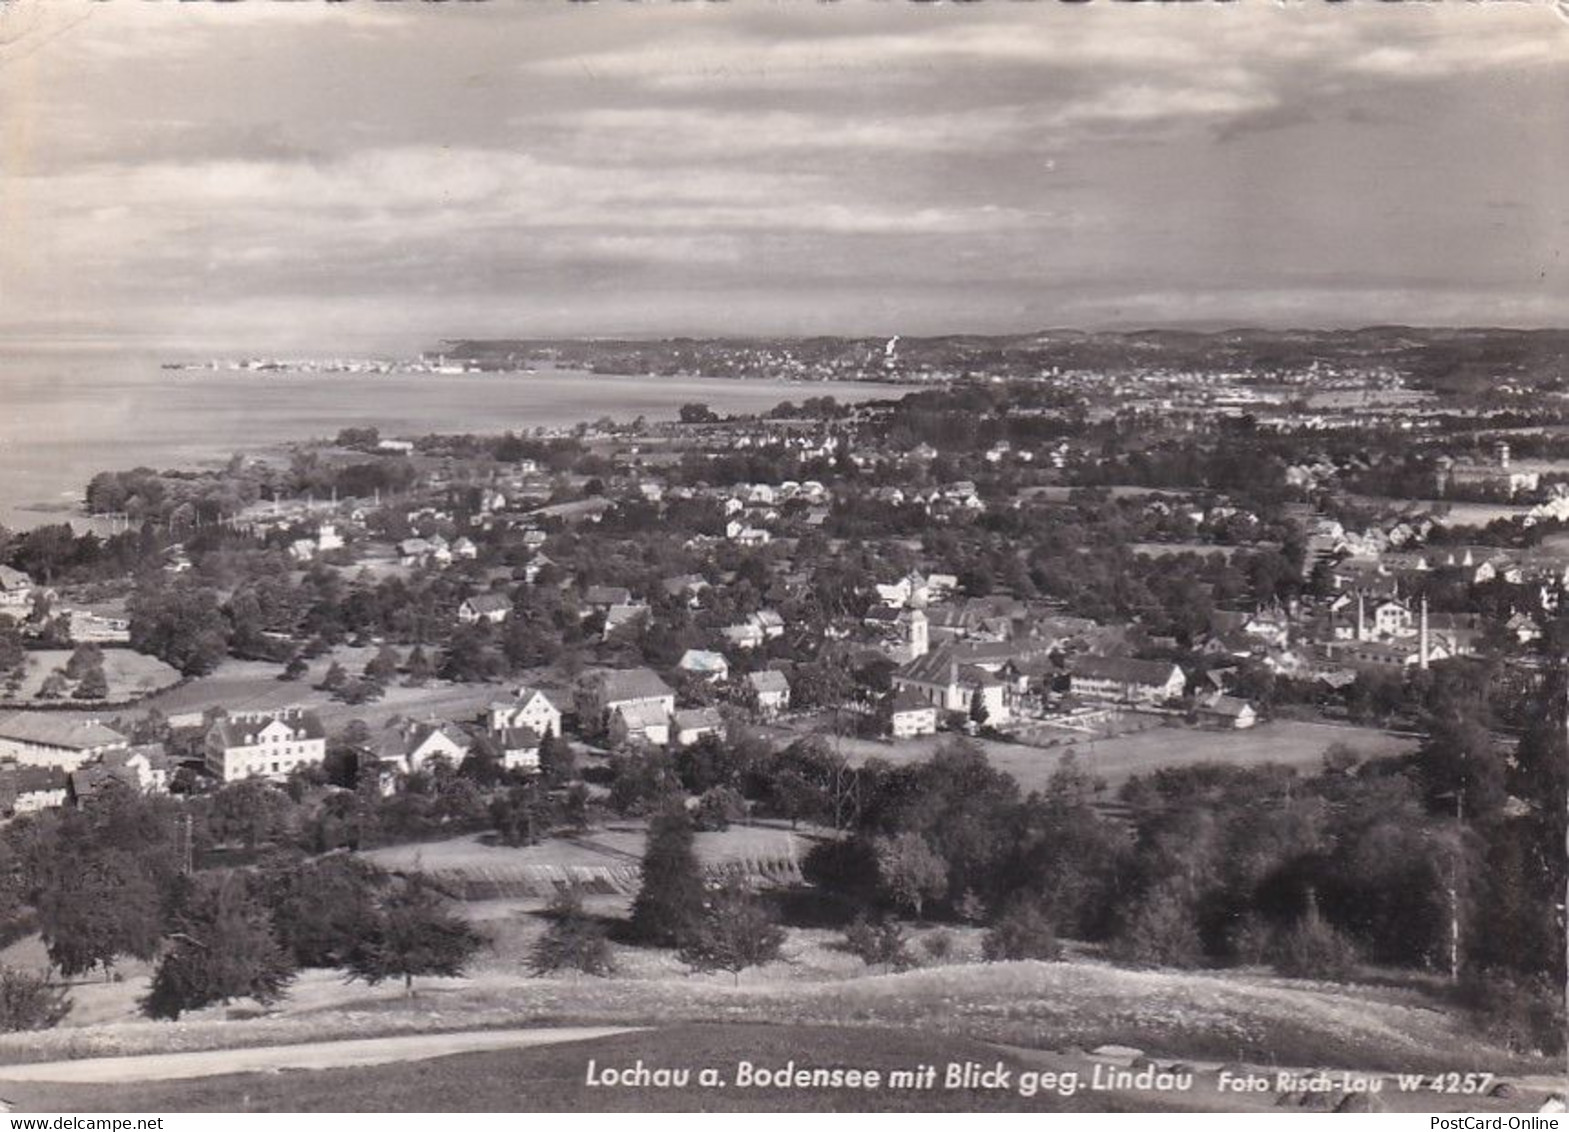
x,y
311,1055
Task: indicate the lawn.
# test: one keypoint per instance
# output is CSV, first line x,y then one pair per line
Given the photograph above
x,y
1286,742
245,685
131,675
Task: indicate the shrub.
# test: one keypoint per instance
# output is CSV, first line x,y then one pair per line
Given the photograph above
x,y
1311,948
29,1002
879,943
1161,932
1022,932
1526,1016
718,807
938,945
574,940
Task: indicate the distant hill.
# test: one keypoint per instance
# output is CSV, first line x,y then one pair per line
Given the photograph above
x,y
1446,360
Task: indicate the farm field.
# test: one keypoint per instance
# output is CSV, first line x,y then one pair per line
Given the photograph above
x,y
1284,742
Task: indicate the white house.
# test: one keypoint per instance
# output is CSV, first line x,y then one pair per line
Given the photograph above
x,y
912,715
532,709
519,748
410,746
1122,679
711,666
690,726
770,691
492,607
609,690
45,739
641,723
264,744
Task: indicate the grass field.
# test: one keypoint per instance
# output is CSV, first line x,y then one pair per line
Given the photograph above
x,y
131,676
554,1079
242,685
714,1068
1285,742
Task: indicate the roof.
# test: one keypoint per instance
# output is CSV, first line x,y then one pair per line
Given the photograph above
x,y
698,719
638,716
401,742
701,660
35,779
46,729
908,701
768,680
1229,706
519,739
607,595
489,603
11,579
624,614
1122,669
241,730
619,684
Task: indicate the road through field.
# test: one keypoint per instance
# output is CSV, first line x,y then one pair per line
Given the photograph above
x,y
310,1055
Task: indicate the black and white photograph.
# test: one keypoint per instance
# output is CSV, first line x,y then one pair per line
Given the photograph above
x,y
784,556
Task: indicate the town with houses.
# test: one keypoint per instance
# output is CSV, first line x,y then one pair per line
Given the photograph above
x,y
1103,585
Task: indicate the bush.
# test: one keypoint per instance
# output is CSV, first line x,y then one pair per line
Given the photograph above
x,y
1022,932
1526,1016
574,940
1161,932
1311,948
29,1002
879,943
718,807
938,945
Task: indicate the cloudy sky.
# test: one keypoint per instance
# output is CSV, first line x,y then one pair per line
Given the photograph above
x,y
297,172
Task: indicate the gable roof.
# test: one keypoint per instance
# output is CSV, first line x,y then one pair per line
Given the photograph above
x,y
12,580
768,680
907,700
489,603
702,660
619,684
1122,669
47,729
242,729
519,739
697,719
607,595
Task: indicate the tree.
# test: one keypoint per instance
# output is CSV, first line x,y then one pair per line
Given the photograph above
x,y
181,625
736,931
93,685
94,910
413,933
294,669
879,943
30,1002
911,871
321,908
1022,932
54,686
222,947
669,904
1162,931
573,942
718,807
336,677
84,658
695,412
420,670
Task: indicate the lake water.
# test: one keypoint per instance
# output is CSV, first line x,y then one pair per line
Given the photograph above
x,y
64,418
